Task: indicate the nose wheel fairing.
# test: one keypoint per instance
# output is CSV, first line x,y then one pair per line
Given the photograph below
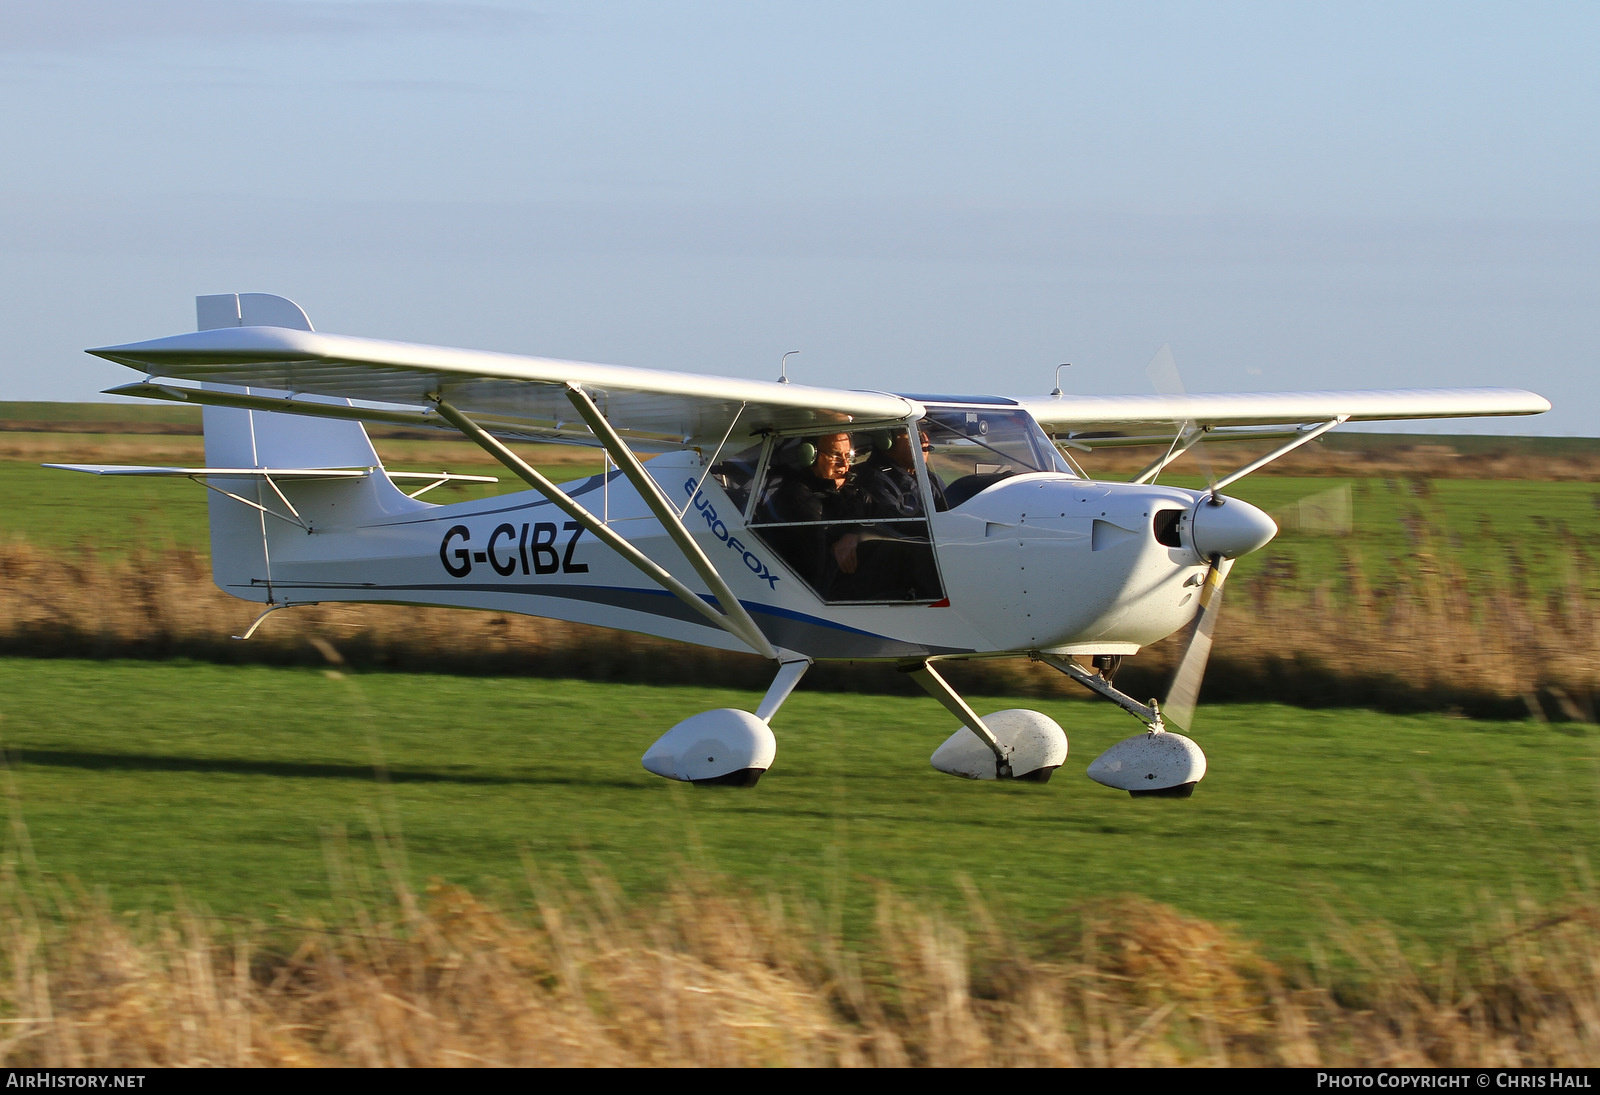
x,y
1158,763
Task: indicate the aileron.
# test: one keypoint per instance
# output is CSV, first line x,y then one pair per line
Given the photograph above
x,y
1153,414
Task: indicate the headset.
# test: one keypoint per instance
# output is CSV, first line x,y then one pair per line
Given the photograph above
x,y
804,454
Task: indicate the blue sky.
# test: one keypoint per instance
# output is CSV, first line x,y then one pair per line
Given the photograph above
x,y
919,196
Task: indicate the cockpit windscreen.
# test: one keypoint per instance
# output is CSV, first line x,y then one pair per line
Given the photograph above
x,y
974,448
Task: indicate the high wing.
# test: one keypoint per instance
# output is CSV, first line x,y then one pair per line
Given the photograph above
x,y
513,396
1111,416
522,396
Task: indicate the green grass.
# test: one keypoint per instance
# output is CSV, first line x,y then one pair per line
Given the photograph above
x,y
1494,531
227,782
1497,531
110,415
1467,444
59,509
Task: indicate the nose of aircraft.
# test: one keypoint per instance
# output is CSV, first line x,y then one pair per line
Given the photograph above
x,y
1230,528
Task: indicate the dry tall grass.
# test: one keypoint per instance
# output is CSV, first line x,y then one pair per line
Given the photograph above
x,y
1428,641
709,976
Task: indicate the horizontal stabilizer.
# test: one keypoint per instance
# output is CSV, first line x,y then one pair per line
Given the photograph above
x,y
217,473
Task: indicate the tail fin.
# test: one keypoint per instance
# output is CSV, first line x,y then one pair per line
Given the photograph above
x,y
241,539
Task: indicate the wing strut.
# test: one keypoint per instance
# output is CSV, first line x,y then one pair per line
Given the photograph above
x,y
1308,433
1182,443
736,626
737,620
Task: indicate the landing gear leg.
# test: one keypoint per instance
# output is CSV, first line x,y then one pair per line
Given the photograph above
x,y
789,674
1016,744
726,747
1106,665
1155,764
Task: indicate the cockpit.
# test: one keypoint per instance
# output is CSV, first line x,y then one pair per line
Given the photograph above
x,y
848,510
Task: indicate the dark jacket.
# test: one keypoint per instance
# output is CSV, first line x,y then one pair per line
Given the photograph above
x,y
886,490
807,548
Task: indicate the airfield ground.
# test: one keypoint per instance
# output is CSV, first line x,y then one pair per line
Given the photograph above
x,y
228,782
236,785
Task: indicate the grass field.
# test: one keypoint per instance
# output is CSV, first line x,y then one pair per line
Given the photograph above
x,y
255,791
228,782
1385,813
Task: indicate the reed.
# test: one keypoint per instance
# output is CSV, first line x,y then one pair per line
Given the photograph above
x,y
707,975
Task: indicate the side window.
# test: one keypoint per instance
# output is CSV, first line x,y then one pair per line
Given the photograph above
x,y
736,473
780,500
845,517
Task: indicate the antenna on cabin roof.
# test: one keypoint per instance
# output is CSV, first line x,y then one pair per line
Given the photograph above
x,y
1055,392
783,367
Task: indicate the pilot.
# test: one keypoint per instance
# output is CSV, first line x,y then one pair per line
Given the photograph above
x,y
814,492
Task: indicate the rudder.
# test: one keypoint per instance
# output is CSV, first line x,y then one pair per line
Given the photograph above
x,y
241,556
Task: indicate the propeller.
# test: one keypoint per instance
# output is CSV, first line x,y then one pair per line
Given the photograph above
x,y
1222,529
1183,695
1164,376
1225,528
1231,527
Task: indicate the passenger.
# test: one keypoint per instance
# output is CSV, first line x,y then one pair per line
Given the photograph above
x,y
892,558
888,480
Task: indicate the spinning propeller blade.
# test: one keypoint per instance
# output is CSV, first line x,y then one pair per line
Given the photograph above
x,y
1329,511
1168,383
1184,694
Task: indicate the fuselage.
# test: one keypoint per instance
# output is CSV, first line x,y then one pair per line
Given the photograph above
x,y
1035,561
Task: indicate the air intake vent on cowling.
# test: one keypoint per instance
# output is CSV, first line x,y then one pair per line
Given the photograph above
x,y
1166,525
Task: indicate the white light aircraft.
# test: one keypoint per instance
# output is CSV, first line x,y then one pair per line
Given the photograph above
x,y
796,522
